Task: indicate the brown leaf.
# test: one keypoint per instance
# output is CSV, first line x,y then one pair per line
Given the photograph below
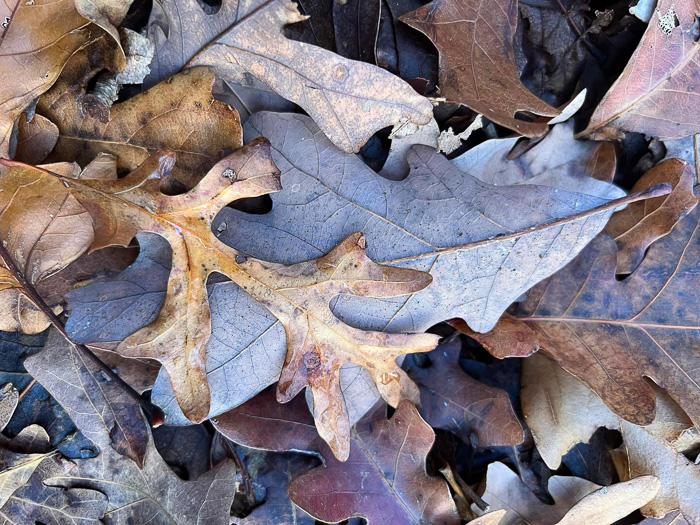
x,y
552,401
36,214
387,459
454,401
266,424
35,139
115,419
656,93
509,338
180,114
611,334
640,224
477,66
349,100
299,295
576,500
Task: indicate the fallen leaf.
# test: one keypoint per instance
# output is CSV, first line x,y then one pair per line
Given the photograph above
x,y
135,495
185,449
454,401
179,114
576,500
687,149
556,161
611,334
387,459
349,100
356,25
35,502
36,212
37,40
640,224
655,94
438,219
35,139
510,337
477,66
403,136
297,294
491,518
552,401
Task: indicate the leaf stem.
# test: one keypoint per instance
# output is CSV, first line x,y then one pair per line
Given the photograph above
x,y
153,413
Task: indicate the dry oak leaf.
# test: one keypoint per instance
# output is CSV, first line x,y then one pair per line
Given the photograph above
x,y
35,139
349,100
484,245
641,223
44,229
318,343
477,63
657,93
80,379
561,411
577,501
384,480
612,334
150,494
454,401
509,338
36,40
557,161
180,114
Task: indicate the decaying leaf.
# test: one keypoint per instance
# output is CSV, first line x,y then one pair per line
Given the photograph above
x,y
657,92
477,66
35,139
318,343
454,401
510,337
484,245
349,100
611,334
152,493
115,416
640,224
552,403
179,114
556,161
387,459
576,500
44,229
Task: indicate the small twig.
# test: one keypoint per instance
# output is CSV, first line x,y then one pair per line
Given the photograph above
x,y
26,389
469,492
243,470
153,413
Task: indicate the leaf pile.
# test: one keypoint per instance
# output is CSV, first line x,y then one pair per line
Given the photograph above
x,y
383,261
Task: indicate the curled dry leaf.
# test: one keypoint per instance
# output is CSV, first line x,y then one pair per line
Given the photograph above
x,y
179,114
552,401
349,100
640,224
36,212
657,93
477,64
576,500
454,401
557,161
35,139
509,338
612,334
387,459
318,343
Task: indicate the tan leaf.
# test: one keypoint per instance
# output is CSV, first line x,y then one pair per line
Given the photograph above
x,y
180,114
35,139
657,92
576,500
640,224
477,64
299,294
44,229
561,411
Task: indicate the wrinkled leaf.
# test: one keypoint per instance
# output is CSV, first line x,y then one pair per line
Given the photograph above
x,y
477,66
611,334
657,92
552,401
387,460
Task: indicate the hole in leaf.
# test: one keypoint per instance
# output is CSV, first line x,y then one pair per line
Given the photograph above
x,y
210,7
